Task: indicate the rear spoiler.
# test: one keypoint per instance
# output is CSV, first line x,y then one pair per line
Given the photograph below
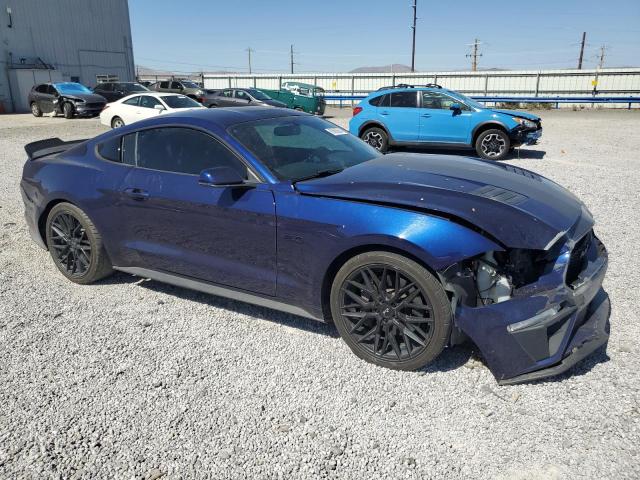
x,y
50,146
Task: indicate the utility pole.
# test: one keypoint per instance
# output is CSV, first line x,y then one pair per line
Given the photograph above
x,y
249,50
474,55
584,37
413,46
291,58
603,49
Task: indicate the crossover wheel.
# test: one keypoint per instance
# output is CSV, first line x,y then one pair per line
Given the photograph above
x,y
117,122
67,110
35,109
390,310
493,144
377,138
75,245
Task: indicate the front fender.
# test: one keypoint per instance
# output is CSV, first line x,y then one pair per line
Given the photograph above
x,y
315,231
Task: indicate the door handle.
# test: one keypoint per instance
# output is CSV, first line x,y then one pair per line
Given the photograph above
x,y
137,193
384,113
425,115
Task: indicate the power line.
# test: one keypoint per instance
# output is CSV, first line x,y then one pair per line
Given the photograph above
x,y
603,49
413,46
584,37
474,55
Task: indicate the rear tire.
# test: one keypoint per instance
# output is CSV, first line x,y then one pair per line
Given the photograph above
x,y
117,122
390,310
35,109
377,138
67,110
493,144
76,245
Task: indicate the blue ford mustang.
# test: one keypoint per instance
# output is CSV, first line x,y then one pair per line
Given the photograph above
x,y
407,254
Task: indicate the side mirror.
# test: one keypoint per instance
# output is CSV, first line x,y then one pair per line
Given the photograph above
x,y
159,107
220,177
456,107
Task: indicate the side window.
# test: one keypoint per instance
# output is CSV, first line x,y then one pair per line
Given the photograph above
x,y
183,150
375,100
226,93
176,85
106,87
439,101
128,149
242,94
384,100
132,101
51,90
148,101
164,84
110,150
41,89
404,99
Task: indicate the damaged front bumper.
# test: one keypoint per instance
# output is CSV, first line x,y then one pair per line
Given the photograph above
x,y
545,327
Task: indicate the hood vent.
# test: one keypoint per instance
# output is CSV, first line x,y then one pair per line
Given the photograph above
x,y
500,195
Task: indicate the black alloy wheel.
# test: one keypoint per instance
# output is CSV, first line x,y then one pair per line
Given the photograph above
x,y
75,245
377,138
391,311
493,144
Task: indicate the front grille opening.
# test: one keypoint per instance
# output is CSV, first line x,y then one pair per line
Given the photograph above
x,y
578,259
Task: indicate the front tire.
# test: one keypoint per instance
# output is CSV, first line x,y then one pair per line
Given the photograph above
x,y
76,245
35,109
117,122
493,144
377,138
390,310
67,110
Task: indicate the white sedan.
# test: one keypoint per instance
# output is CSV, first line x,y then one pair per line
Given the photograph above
x,y
146,105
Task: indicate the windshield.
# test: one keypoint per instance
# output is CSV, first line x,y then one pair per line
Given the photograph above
x,y
469,101
294,148
190,85
180,101
70,88
135,87
258,95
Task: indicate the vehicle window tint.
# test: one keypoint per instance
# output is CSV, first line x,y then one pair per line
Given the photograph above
x,y
384,100
183,150
404,99
148,101
132,101
375,100
243,95
176,85
164,84
226,93
439,101
128,153
51,90
41,89
106,87
110,150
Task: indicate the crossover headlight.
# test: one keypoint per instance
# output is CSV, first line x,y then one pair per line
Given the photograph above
x,y
78,100
526,123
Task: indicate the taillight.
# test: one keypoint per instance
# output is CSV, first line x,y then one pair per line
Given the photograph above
x,y
356,110
200,99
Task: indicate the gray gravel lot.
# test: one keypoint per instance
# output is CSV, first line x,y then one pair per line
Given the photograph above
x,y
135,379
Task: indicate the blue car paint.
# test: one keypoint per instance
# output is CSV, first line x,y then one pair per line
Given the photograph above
x,y
290,238
437,126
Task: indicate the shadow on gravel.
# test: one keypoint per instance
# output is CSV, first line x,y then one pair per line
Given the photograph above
x,y
518,153
243,308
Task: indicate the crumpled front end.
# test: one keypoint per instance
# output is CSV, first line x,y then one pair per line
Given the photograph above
x,y
534,314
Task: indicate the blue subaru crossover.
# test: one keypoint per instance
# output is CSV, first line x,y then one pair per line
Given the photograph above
x,y
286,210
432,116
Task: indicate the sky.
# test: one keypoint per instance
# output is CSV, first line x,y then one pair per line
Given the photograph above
x,y
338,36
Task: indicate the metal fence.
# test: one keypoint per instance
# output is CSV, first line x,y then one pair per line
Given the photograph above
x,y
543,83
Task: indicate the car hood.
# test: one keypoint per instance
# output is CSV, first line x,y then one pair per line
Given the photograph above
x,y
87,97
274,103
515,113
514,206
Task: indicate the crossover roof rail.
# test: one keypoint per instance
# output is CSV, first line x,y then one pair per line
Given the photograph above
x,y
404,85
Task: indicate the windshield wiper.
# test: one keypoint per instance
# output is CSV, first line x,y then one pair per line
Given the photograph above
x,y
320,174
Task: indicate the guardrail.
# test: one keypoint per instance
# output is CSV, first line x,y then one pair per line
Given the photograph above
x,y
552,100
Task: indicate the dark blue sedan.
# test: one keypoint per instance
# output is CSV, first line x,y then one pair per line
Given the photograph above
x,y
406,253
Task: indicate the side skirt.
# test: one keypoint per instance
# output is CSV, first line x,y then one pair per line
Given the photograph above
x,y
213,289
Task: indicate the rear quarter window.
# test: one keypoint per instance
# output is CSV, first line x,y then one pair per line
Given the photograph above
x,y
110,150
375,101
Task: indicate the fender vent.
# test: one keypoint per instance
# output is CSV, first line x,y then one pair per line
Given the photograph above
x,y
500,195
521,171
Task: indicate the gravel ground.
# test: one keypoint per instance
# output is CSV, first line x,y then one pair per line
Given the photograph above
x,y
135,379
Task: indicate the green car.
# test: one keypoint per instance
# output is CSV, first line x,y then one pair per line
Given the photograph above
x,y
300,96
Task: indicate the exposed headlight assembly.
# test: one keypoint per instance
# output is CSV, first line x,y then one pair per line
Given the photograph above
x,y
526,123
